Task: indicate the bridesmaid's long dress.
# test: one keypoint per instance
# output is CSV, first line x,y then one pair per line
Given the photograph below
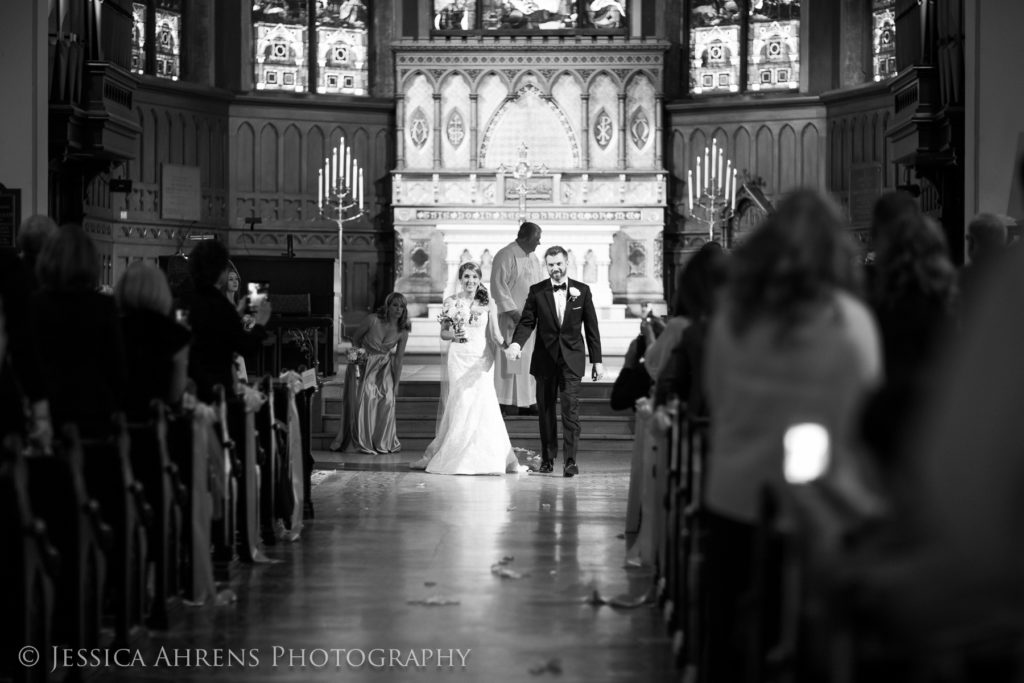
x,y
373,430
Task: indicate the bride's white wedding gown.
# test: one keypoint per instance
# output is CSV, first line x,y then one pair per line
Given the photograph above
x,y
471,436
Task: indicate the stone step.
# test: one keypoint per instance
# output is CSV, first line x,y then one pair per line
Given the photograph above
x,y
418,441
590,424
425,406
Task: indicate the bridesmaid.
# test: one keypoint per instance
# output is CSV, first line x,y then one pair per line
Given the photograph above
x,y
369,421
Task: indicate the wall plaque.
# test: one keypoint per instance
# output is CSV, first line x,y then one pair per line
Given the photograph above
x,y
10,215
179,192
865,189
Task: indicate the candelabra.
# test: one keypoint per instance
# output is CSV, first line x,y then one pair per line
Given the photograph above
x,y
340,187
711,200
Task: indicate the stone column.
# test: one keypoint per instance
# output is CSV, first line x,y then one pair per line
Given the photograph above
x,y
399,132
659,161
437,130
585,132
474,113
622,130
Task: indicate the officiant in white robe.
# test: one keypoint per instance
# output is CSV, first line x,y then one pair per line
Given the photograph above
x,y
514,269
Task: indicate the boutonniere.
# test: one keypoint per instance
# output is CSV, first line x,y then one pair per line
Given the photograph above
x,y
573,293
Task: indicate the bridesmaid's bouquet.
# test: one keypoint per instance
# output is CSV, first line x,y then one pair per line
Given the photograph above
x,y
357,357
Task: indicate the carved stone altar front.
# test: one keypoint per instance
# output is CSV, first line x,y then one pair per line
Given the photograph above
x,y
588,110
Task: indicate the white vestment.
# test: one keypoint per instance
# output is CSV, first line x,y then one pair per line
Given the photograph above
x,y
513,271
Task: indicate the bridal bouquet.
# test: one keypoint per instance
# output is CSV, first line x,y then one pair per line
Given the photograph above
x,y
456,316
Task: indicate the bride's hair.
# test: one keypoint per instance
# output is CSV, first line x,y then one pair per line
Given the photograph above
x,y
481,296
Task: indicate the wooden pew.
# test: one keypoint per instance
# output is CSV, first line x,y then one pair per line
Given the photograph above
x,y
223,533
151,464
110,479
692,608
27,576
242,430
59,496
268,462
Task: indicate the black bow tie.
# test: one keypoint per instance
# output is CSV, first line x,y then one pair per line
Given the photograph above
x,y
555,288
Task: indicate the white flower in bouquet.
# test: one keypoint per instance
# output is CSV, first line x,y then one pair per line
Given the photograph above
x,y
457,315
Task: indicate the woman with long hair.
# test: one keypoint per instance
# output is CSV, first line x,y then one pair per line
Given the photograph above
x,y
471,435
789,344
369,423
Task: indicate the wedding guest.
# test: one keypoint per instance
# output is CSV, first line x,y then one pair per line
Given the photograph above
x,y
217,331
986,242
912,294
33,234
370,420
156,346
789,344
78,333
24,407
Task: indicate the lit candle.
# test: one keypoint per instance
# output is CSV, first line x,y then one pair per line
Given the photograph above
x,y
734,189
361,188
714,163
689,189
700,185
337,170
320,188
707,169
327,178
721,178
346,178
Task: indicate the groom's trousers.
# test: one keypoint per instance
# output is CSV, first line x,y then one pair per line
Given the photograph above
x,y
567,383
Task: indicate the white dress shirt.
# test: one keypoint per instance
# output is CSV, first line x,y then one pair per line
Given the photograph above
x,y
560,297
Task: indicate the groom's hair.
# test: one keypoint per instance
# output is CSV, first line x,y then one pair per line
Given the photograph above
x,y
552,251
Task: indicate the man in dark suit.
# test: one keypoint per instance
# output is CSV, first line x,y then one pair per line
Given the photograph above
x,y
560,309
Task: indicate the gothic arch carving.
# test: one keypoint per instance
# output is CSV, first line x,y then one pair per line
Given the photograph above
x,y
496,118
410,76
475,84
518,82
591,78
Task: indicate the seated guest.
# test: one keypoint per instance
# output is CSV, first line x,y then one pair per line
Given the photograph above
x,y
156,346
371,426
986,242
78,333
217,331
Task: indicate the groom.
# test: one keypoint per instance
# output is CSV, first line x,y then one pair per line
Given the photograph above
x,y
558,308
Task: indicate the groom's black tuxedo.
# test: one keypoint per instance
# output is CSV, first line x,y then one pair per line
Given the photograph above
x,y
559,360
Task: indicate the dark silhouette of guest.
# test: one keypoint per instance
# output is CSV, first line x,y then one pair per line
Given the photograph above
x,y
911,294
156,346
24,407
217,331
986,242
78,333
682,376
33,234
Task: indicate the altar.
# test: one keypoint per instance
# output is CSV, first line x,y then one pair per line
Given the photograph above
x,y
564,133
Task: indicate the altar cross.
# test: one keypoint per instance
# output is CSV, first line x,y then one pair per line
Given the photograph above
x,y
521,173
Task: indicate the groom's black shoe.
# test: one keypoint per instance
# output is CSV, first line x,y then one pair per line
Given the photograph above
x,y
546,467
570,468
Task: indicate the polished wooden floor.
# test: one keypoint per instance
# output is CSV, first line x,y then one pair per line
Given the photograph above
x,y
501,567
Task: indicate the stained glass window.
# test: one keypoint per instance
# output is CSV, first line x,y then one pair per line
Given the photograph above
x,y
342,48
328,54
165,16
530,15
762,35
774,45
715,48
168,38
884,38
281,28
138,38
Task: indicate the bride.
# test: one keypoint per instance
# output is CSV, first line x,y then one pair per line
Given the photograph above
x,y
471,435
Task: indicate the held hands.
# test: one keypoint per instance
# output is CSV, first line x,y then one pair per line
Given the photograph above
x,y
597,372
513,352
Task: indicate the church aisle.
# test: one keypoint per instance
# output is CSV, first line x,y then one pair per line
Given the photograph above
x,y
386,542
